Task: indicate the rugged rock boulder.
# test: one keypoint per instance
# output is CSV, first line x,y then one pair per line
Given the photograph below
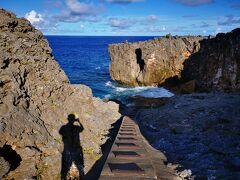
x,y
151,62
217,64
35,101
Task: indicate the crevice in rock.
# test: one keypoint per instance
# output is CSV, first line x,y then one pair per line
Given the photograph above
x,y
16,100
10,156
2,125
6,63
140,61
23,96
40,122
186,42
1,84
34,148
23,80
12,24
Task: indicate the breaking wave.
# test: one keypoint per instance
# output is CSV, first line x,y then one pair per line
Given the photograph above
x,y
145,91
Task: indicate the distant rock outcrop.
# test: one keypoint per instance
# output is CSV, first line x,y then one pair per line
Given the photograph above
x,y
151,62
217,64
35,101
213,63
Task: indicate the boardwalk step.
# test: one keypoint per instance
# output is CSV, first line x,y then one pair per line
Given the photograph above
x,y
129,124
126,154
127,138
125,168
127,145
127,130
127,134
128,159
127,127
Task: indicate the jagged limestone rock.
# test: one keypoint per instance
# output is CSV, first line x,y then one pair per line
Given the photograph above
x,y
217,64
212,62
151,62
36,99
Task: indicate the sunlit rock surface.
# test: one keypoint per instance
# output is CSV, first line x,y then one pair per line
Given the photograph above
x,y
35,101
151,62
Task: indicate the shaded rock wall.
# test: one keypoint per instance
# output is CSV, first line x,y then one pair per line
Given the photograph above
x,y
35,100
151,62
217,64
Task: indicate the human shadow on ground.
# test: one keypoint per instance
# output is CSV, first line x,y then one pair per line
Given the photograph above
x,y
72,152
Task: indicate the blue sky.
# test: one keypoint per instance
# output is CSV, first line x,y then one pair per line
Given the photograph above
x,y
128,17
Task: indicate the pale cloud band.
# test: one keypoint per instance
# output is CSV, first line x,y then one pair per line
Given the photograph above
x,y
123,1
80,8
88,13
194,2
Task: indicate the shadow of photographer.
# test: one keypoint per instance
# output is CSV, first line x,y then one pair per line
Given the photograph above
x,y
72,152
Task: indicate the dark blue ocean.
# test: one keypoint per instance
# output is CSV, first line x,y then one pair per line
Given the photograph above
x,y
85,60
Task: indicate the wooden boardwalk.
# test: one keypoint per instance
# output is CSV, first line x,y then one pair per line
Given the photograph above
x,y
131,157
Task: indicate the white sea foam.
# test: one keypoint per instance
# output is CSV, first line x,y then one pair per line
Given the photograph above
x,y
109,84
146,91
108,96
156,92
97,68
135,89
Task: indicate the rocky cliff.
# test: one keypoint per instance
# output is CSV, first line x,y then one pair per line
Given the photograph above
x,y
151,62
217,64
35,101
213,63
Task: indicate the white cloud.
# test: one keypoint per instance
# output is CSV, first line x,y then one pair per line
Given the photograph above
x,y
124,1
204,25
155,29
82,26
218,30
125,23
67,16
42,22
230,20
80,8
34,17
76,11
151,19
121,23
194,2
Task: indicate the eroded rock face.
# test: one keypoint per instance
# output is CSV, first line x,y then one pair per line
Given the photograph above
x,y
217,64
151,62
35,101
